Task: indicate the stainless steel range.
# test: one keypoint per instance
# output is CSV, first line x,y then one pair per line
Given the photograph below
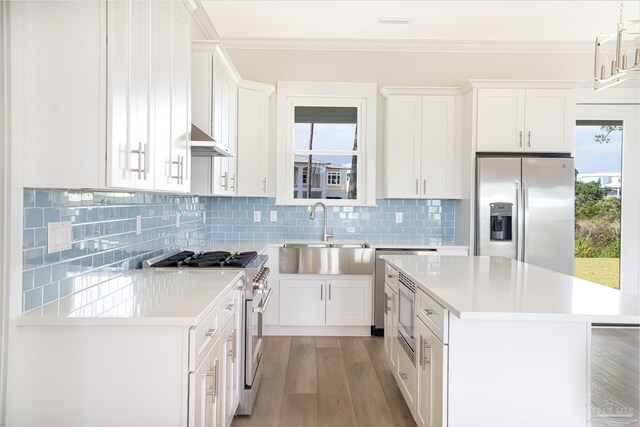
x,y
256,296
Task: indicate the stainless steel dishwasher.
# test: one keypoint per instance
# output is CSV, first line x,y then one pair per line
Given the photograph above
x,y
378,296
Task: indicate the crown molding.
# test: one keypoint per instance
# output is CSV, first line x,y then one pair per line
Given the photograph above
x,y
201,18
435,46
387,91
257,86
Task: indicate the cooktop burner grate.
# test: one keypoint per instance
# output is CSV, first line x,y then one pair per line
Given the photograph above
x,y
216,259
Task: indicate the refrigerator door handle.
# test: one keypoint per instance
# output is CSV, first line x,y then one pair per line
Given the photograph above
x,y
525,218
517,227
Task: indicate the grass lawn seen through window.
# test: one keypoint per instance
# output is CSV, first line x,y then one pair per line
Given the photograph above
x,y
605,271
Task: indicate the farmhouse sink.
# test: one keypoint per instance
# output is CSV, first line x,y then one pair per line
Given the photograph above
x,y
326,245
326,258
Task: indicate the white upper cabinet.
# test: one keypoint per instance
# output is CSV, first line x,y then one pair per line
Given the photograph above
x,y
98,114
214,101
501,120
172,124
423,143
253,138
537,120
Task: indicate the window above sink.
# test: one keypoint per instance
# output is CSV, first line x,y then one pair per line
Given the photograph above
x,y
326,143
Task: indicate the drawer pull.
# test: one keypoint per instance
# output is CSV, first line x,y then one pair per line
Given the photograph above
x,y
403,375
391,276
427,311
230,307
211,332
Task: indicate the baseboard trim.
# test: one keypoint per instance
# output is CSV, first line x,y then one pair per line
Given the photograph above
x,y
323,331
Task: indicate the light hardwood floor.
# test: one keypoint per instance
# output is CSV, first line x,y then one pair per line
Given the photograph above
x,y
615,377
345,381
327,381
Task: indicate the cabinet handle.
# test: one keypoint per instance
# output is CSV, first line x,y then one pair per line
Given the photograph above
x,y
427,311
233,179
215,382
142,160
211,374
226,180
423,354
420,346
417,186
321,291
390,276
520,138
424,186
403,375
264,185
386,304
211,332
230,307
179,176
529,139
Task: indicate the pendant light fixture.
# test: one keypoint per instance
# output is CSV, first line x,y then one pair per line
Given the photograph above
x,y
617,56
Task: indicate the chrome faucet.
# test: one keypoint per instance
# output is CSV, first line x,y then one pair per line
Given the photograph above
x,y
325,236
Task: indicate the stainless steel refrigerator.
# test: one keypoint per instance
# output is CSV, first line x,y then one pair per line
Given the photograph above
x,y
525,210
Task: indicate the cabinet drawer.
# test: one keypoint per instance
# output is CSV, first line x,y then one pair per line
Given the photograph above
x,y
435,316
391,277
203,336
407,380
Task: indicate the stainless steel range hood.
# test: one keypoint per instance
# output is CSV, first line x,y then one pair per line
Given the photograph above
x,y
202,145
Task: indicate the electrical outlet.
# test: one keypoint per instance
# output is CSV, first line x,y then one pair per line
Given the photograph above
x,y
398,217
256,216
58,236
274,216
177,220
204,217
139,224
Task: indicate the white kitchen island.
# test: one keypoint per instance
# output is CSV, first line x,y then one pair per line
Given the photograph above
x,y
497,342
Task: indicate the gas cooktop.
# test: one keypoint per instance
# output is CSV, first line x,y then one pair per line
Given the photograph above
x,y
215,259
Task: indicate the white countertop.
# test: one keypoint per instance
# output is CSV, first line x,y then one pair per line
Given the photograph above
x,y
496,288
140,297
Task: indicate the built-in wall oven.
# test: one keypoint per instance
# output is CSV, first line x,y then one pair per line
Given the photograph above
x,y
256,295
406,315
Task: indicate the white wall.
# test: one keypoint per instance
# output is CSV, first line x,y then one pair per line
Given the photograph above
x,y
398,69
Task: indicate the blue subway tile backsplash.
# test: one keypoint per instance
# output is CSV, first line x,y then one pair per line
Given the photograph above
x,y
105,243
104,239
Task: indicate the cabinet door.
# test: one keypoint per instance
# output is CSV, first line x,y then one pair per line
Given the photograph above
x,y
203,391
349,302
202,87
501,120
181,99
438,166
302,302
128,74
221,176
229,382
388,321
431,356
217,94
550,120
395,319
253,140
404,133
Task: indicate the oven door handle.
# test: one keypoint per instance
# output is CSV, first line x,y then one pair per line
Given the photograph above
x,y
265,301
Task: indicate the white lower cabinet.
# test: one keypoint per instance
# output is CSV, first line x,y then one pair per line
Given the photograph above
x,y
318,302
431,355
204,392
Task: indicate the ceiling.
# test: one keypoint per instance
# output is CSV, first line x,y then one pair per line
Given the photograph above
x,y
244,23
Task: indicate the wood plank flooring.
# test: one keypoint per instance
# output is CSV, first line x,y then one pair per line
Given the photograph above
x,y
346,381
615,377
327,381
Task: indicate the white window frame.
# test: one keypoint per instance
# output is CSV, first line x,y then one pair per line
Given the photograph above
x,y
622,104
337,175
364,97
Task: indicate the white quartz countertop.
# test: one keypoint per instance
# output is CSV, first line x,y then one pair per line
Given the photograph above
x,y
140,297
496,288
